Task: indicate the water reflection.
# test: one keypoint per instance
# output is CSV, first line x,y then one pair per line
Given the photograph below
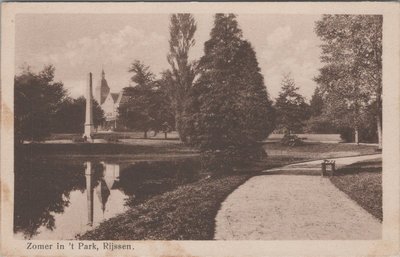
x,y
51,204
106,189
60,199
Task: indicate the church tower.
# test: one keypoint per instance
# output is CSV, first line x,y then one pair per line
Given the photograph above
x,y
102,90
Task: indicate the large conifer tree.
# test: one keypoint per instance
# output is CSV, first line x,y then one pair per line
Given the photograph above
x,y
292,110
230,104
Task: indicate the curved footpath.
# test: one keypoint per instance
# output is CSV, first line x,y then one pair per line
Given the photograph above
x,y
289,204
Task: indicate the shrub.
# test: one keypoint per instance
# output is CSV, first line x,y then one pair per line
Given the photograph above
x,y
220,161
346,134
319,125
111,138
291,140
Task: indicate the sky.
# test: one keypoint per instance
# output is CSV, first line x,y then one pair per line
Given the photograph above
x,y
80,43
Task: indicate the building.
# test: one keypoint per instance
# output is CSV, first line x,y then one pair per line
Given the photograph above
x,y
109,102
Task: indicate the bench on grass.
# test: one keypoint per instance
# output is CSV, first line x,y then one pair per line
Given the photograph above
x,y
326,163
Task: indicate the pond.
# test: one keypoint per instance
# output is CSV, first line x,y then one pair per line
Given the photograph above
x,y
59,199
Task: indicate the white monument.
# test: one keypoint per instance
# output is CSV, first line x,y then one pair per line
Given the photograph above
x,y
89,126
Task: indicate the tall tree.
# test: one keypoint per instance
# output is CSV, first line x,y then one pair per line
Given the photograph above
x,y
292,110
352,72
142,76
319,123
37,99
146,105
182,29
230,108
135,113
316,102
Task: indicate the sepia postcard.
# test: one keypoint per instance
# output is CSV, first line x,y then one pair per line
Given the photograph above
x,y
200,129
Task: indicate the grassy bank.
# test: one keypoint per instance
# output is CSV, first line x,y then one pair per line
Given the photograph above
x,y
121,135
185,213
362,182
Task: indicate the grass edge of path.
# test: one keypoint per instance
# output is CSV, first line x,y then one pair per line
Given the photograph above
x,y
362,183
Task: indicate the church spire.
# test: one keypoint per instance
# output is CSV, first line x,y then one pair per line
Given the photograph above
x,y
102,90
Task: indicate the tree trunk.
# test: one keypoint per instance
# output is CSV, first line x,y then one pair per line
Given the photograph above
x,y
178,119
179,128
378,121
356,136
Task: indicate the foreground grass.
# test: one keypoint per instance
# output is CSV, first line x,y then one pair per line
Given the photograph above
x,y
185,213
362,182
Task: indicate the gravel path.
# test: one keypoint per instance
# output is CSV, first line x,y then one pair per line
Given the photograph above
x,y
294,207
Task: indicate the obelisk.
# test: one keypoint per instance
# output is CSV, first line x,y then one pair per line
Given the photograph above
x,y
89,110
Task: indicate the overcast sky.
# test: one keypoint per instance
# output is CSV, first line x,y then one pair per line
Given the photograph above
x,y
77,44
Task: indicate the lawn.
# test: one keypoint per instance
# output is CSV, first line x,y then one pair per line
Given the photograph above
x,y
362,182
315,151
333,138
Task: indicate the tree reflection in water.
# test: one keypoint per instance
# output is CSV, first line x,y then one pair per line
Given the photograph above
x,y
143,180
43,189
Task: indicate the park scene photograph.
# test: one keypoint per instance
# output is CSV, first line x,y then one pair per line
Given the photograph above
x,y
196,126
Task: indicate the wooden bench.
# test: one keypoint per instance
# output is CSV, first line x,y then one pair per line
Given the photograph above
x,y
328,163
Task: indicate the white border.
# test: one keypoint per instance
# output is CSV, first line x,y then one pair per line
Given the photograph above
x,y
389,245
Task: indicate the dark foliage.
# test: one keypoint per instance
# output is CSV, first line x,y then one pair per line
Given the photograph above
x,y
142,76
70,118
292,110
229,108
37,99
43,107
146,106
316,103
